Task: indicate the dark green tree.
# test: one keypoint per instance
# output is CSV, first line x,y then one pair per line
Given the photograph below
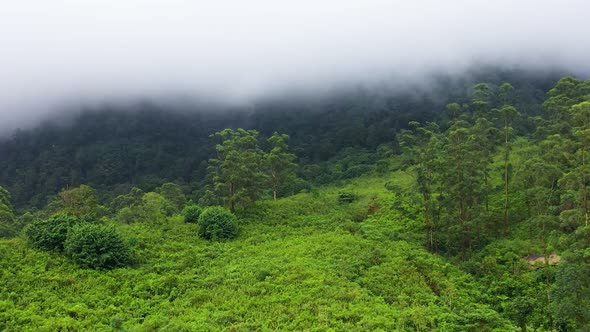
x,y
507,114
281,163
581,173
463,174
571,293
8,220
421,146
133,198
480,102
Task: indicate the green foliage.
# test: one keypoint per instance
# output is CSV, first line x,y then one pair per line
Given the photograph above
x,y
346,197
173,193
128,200
8,227
217,223
236,174
97,246
191,213
50,234
80,202
487,189
297,266
128,215
281,163
150,208
154,208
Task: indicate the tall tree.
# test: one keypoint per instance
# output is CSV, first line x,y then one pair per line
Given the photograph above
x,y
281,163
236,174
7,217
507,113
463,173
581,132
481,99
421,147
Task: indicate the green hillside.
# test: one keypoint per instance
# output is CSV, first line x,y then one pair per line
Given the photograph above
x,y
476,219
305,262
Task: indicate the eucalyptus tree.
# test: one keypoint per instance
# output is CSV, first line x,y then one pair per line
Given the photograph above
x,y
421,147
580,174
507,113
236,174
281,164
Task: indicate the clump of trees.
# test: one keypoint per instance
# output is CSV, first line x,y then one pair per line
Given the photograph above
x,y
88,244
242,171
75,231
472,191
460,183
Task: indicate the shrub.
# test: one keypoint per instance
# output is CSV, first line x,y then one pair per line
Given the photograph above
x,y
217,223
97,246
50,234
346,197
191,213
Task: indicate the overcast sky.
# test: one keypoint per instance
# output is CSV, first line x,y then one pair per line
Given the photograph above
x,y
76,51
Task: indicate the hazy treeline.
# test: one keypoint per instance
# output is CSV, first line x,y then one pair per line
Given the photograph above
x,y
113,150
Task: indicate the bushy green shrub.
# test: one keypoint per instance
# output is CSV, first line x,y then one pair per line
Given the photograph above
x,y
346,197
217,223
50,234
191,213
97,246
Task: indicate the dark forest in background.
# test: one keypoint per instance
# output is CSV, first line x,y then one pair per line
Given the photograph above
x,y
114,149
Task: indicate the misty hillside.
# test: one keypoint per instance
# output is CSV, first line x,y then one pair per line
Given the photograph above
x,y
464,208
145,145
300,165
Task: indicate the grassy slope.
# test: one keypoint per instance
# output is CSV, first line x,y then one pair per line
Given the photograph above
x,y
301,263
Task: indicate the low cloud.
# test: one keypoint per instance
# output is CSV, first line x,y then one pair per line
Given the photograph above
x,y
72,52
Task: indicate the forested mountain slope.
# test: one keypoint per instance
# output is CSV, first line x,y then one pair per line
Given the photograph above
x,y
114,148
470,217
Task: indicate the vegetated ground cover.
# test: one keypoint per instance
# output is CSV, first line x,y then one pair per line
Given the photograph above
x,y
306,262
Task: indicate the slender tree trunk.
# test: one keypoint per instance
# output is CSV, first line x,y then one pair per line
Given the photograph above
x,y
506,189
584,188
231,197
275,183
463,229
